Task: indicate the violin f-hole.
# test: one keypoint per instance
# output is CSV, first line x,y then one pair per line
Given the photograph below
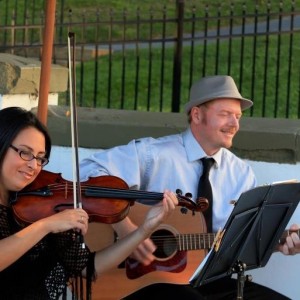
x,y
62,206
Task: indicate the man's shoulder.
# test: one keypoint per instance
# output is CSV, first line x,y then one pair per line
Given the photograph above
x,y
230,158
240,169
160,140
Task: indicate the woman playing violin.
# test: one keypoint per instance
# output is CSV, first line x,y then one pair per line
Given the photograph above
x,y
40,260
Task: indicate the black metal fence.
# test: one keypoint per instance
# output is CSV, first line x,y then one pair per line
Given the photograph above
x,y
147,59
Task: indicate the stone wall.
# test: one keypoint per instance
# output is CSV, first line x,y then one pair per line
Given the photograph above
x,y
259,139
20,81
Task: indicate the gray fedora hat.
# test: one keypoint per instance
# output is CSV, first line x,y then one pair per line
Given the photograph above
x,y
215,87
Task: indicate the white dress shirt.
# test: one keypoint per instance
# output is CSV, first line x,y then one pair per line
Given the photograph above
x,y
172,162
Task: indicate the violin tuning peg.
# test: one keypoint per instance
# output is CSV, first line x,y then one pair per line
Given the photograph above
x,y
179,192
189,195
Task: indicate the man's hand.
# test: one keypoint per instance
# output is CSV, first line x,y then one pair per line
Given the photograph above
x,y
144,251
292,242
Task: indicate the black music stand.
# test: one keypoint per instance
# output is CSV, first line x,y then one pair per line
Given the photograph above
x,y
250,234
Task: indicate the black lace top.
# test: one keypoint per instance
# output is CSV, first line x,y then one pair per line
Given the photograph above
x,y
46,270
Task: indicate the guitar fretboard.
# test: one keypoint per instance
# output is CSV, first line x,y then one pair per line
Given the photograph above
x,y
198,241
195,241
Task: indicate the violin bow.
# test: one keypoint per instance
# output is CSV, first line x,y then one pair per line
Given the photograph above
x,y
74,127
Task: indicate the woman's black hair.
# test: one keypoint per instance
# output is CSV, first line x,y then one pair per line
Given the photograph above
x,y
12,121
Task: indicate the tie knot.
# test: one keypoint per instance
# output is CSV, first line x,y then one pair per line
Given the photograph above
x,y
207,163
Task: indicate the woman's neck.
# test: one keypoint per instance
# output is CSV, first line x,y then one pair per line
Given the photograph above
x,y
4,196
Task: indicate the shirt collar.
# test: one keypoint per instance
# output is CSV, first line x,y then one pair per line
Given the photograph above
x,y
193,149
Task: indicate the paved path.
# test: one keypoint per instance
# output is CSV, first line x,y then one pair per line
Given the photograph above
x,y
273,27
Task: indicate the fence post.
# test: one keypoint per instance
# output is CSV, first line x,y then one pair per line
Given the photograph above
x,y
178,57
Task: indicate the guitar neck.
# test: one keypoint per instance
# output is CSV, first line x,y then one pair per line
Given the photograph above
x,y
195,241
198,241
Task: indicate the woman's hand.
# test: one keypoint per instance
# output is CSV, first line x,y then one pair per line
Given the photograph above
x,y
160,212
143,252
14,246
76,219
134,242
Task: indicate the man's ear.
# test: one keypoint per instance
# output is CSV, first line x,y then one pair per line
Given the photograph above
x,y
196,114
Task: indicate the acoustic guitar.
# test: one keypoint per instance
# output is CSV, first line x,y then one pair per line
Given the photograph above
x,y
174,263
182,243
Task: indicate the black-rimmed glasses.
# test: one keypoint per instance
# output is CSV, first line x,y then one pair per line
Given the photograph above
x,y
28,156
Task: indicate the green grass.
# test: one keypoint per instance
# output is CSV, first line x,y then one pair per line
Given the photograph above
x,y
104,10
72,11
264,69
268,79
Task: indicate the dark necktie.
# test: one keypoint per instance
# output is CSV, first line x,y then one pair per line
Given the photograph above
x,y
204,190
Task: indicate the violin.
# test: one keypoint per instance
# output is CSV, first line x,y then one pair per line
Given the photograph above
x,y
106,199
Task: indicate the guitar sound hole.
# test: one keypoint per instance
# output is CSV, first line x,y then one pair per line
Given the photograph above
x,y
165,242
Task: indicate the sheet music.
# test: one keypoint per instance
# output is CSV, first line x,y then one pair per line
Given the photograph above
x,y
273,203
286,181
198,270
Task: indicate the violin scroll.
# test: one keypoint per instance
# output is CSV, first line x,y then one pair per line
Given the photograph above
x,y
186,201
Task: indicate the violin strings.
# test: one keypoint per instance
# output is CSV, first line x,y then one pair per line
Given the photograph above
x,y
108,192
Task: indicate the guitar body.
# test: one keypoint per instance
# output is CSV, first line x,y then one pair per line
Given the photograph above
x,y
171,265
